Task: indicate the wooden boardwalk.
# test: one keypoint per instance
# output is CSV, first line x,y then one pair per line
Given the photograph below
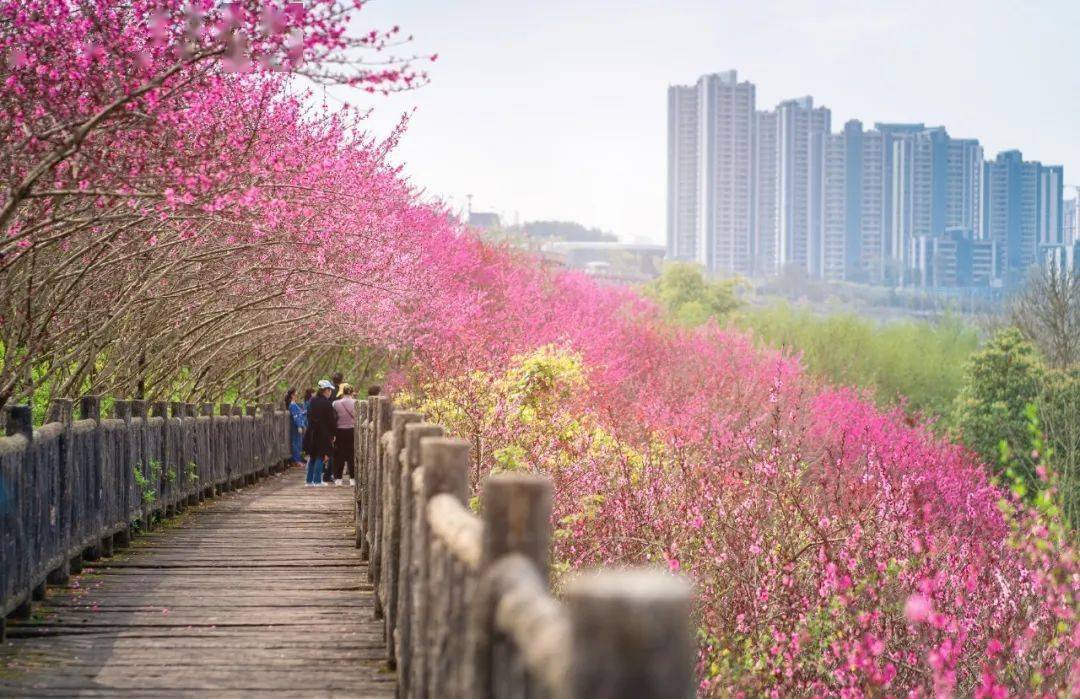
x,y
260,592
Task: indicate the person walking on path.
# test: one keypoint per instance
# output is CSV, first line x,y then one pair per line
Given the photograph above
x,y
298,423
321,425
336,380
345,410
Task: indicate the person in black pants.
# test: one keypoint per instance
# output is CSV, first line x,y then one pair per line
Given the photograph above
x,y
345,412
319,437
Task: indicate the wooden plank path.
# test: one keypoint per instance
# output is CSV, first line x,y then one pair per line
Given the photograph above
x,y
260,592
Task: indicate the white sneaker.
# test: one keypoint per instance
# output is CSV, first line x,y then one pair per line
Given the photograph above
x,y
323,484
337,482
308,485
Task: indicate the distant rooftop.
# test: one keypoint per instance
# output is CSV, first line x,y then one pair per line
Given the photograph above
x,y
484,219
645,248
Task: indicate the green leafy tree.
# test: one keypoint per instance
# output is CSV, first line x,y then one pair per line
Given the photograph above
x,y
1001,381
689,298
1059,416
917,362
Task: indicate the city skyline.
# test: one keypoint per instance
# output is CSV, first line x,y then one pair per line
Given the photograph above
x,y
563,143
755,191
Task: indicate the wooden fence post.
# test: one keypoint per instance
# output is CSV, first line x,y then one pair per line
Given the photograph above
x,y
630,636
90,409
207,458
132,409
360,465
62,410
121,410
367,478
391,546
383,410
516,509
414,434
446,465
20,421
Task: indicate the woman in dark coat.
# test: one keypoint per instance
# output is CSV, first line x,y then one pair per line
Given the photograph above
x,y
320,432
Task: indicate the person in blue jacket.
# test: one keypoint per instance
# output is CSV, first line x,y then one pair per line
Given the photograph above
x,y
298,417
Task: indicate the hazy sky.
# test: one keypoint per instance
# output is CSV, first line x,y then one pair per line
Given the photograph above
x,y
556,108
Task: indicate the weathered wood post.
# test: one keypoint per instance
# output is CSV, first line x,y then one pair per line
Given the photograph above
x,y
360,455
391,546
121,410
62,410
225,437
630,635
20,421
90,409
206,460
404,643
169,448
516,509
383,410
268,450
248,456
445,463
137,409
186,454
367,478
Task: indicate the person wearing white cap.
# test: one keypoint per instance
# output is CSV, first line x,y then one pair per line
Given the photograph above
x,y
321,425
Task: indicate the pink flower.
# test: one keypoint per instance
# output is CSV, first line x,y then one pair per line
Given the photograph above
x,y
918,608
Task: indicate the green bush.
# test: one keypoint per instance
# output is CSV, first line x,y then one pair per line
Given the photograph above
x,y
918,362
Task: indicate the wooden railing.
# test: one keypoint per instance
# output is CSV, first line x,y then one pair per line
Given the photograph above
x,y
466,599
73,489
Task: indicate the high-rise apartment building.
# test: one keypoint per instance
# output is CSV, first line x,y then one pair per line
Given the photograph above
x,y
963,184
1022,209
800,127
851,198
725,173
1071,218
890,134
872,210
1051,205
766,242
936,184
682,173
835,198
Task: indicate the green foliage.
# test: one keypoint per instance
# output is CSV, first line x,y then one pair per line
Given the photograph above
x,y
991,410
689,298
191,473
919,361
566,230
539,381
1059,418
147,483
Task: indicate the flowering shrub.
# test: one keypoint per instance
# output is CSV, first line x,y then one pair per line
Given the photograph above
x,y
837,549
